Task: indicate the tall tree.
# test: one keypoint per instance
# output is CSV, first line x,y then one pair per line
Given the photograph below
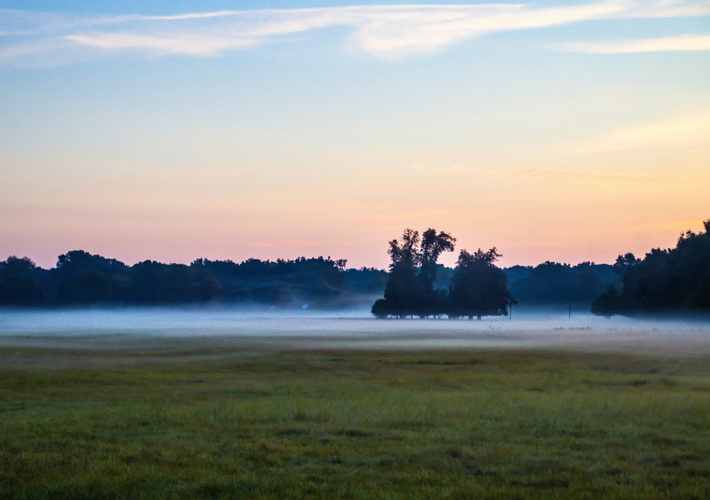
x,y
413,268
403,291
407,251
479,288
432,245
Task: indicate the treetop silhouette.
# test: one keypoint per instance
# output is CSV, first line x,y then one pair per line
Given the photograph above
x,y
478,287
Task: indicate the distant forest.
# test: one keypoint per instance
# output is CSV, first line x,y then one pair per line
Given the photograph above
x,y
676,280
81,279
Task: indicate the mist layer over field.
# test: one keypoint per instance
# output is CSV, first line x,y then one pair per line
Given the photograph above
x,y
354,329
266,404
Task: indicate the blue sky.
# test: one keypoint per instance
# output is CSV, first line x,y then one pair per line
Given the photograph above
x,y
567,131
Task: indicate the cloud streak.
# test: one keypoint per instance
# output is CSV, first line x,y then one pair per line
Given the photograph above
x,y
386,31
686,130
666,44
187,44
581,175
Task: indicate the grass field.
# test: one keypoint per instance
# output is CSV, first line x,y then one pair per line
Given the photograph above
x,y
229,422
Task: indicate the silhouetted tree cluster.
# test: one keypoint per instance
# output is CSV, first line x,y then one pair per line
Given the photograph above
x,y
477,287
672,280
81,278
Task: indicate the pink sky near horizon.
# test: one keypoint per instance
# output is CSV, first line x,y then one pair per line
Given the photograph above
x,y
368,251
531,214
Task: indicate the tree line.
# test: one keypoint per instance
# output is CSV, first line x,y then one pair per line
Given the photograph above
x,y
81,278
416,284
551,283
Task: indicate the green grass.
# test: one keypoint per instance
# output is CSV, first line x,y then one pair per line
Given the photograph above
x,y
185,422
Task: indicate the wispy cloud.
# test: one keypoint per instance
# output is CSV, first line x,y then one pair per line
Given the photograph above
x,y
686,130
665,44
189,44
581,175
387,31
542,173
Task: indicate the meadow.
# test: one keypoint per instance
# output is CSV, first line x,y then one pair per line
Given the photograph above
x,y
200,418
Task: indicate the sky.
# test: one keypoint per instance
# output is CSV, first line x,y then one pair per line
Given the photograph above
x,y
568,131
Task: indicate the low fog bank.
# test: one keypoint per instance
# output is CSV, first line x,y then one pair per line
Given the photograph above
x,y
352,329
